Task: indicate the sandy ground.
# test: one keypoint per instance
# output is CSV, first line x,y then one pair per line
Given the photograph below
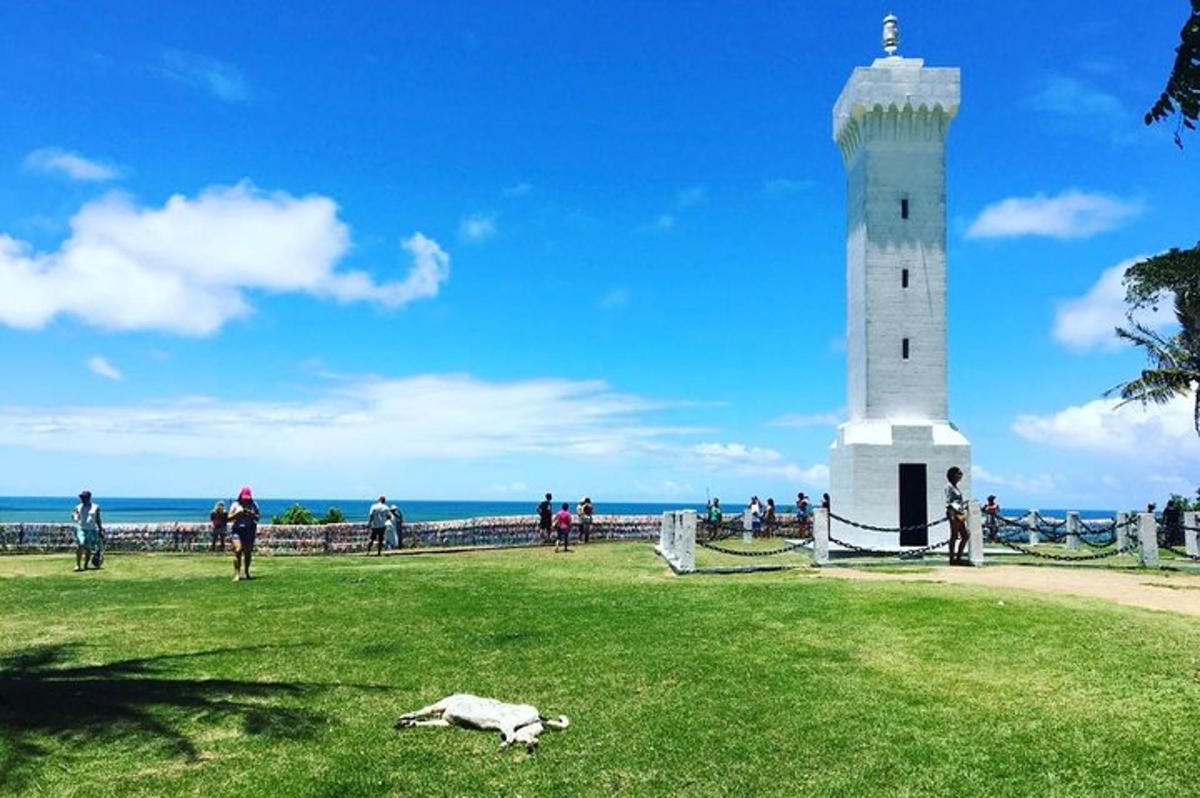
x,y
1174,593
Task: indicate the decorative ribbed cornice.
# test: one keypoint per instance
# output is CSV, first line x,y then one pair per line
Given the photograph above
x,y
895,96
892,123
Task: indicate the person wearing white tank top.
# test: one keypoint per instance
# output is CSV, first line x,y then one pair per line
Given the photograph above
x,y
88,529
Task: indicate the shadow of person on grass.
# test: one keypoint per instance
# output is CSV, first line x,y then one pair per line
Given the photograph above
x,y
43,695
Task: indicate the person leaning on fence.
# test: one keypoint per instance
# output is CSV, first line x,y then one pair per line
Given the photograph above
x,y
89,530
545,517
243,516
220,525
991,516
562,525
956,514
584,511
377,518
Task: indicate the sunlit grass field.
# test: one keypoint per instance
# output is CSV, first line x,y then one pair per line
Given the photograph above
x,y
159,676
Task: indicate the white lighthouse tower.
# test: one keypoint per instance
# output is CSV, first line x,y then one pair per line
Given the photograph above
x,y
888,464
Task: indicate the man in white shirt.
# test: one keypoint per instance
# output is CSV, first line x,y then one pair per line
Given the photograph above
x,y
377,520
88,530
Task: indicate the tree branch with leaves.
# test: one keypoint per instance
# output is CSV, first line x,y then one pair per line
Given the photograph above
x,y
1182,93
1175,359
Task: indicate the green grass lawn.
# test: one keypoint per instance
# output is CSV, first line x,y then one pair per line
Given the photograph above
x,y
160,676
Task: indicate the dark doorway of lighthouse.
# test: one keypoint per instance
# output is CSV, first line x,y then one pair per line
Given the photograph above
x,y
914,504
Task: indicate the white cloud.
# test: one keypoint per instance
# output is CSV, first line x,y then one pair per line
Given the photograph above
x,y
692,195
101,367
616,298
742,460
478,227
1071,214
220,79
1087,322
448,417
51,160
785,186
517,488
1160,434
1064,95
1038,485
520,189
186,267
808,420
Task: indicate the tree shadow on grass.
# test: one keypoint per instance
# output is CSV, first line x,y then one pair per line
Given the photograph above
x,y
43,695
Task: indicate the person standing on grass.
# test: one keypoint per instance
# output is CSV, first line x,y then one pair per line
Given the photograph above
x,y
219,518
562,525
769,518
584,511
545,517
754,510
1172,521
393,526
715,517
89,529
956,514
377,519
803,514
243,515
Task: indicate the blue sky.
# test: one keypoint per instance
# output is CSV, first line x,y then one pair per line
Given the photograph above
x,y
492,249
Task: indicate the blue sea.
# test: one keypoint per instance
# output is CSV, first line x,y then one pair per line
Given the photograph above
x,y
122,509
119,509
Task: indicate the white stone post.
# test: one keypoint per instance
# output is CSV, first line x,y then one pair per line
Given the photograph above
x,y
666,546
685,544
1031,523
1073,542
1122,531
1190,534
975,530
1148,540
820,534
747,529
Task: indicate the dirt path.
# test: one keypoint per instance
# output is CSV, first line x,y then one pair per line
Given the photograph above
x,y
1174,593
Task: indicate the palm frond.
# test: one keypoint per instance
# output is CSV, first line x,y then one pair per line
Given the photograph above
x,y
1154,386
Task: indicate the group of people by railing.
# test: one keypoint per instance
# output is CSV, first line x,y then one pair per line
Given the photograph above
x,y
240,524
763,520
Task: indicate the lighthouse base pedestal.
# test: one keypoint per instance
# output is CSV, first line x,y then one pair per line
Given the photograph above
x,y
877,465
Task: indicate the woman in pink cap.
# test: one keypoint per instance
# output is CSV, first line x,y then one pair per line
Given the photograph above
x,y
243,517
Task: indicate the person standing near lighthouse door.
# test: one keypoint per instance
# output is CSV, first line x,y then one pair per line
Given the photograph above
x,y
956,514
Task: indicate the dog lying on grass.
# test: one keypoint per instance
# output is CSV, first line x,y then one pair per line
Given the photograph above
x,y
517,723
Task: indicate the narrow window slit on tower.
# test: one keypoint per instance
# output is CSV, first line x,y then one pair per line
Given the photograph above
x,y
904,208
904,278
904,349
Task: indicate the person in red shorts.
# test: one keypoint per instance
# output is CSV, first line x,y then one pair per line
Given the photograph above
x,y
562,525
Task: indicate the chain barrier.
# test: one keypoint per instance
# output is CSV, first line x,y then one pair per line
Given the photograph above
x,y
870,528
1050,523
752,553
1067,558
1092,545
1178,552
903,554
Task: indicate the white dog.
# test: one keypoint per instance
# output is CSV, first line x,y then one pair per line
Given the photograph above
x,y
517,723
